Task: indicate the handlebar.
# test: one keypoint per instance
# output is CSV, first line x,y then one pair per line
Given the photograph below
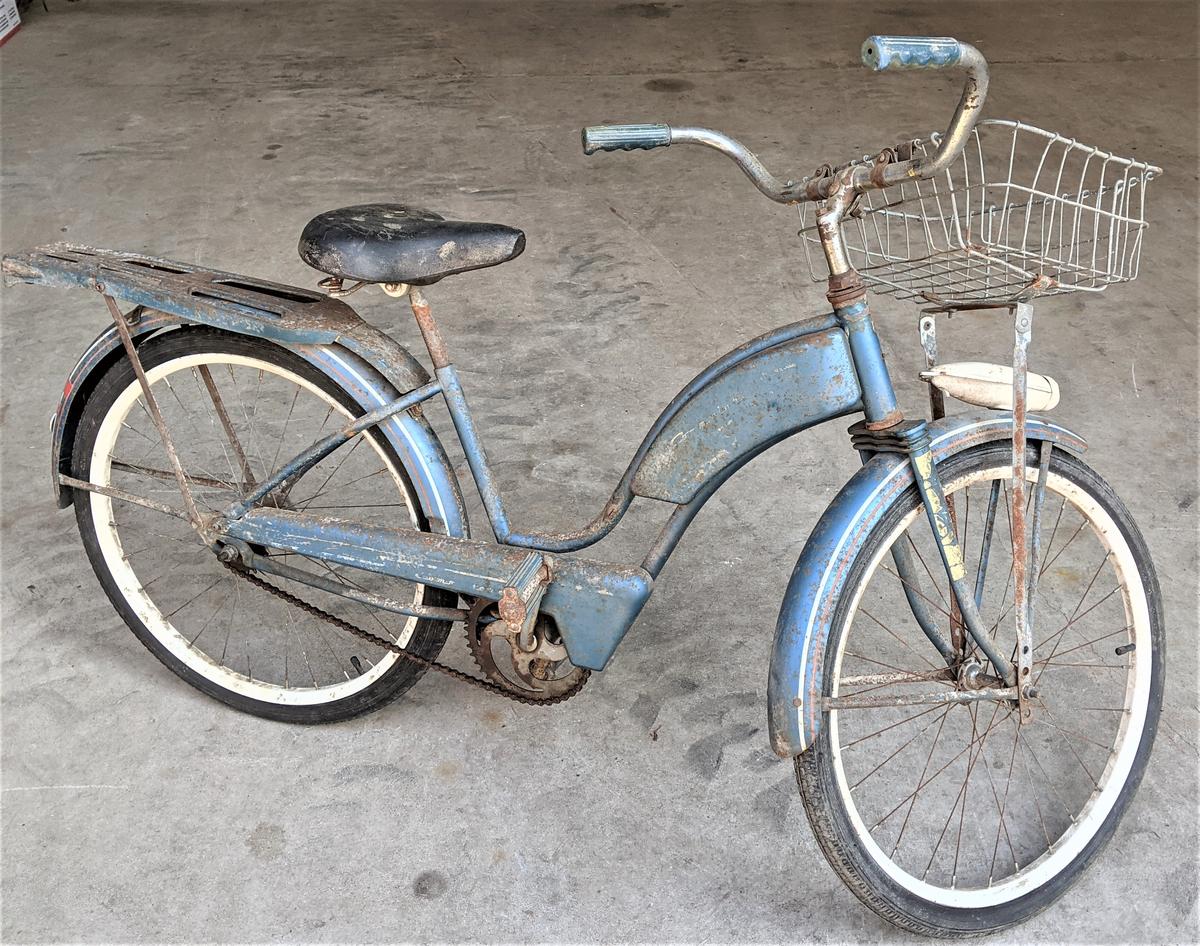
x,y
625,137
879,53
628,137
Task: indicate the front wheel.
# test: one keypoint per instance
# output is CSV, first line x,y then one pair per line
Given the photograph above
x,y
959,819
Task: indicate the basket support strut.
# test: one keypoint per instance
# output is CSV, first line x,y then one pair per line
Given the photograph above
x,y
937,410
1024,572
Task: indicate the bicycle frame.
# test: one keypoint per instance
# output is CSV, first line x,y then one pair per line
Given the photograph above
x,y
760,393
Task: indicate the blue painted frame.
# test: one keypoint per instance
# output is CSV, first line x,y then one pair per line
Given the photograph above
x,y
757,395
815,355
764,391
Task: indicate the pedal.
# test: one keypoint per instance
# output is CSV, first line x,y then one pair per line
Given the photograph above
x,y
988,385
522,596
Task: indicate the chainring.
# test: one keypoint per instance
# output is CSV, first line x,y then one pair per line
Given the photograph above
x,y
536,677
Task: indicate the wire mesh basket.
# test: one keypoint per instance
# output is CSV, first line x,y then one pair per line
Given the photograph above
x,y
1021,213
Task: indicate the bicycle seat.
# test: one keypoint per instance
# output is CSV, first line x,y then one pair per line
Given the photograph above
x,y
394,243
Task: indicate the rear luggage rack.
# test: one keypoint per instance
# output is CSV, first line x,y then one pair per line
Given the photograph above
x,y
193,293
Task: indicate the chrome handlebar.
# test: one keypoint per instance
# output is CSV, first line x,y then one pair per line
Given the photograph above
x,y
879,53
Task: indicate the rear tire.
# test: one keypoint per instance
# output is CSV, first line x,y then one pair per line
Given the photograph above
x,y
342,683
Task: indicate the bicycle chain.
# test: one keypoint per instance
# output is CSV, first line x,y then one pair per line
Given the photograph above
x,y
486,685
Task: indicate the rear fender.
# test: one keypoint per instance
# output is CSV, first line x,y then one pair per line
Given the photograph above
x,y
372,367
805,620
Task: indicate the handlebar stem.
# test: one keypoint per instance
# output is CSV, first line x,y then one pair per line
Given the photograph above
x,y
829,224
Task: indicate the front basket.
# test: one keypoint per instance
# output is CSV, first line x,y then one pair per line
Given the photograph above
x,y
1021,213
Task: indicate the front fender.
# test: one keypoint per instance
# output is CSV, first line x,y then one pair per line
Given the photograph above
x,y
806,617
371,366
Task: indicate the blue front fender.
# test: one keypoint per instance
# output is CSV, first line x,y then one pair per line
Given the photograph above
x,y
805,620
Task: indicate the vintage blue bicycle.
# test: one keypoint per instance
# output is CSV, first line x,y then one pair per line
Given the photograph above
x,y
968,664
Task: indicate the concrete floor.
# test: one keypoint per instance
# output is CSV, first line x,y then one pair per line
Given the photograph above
x,y
135,809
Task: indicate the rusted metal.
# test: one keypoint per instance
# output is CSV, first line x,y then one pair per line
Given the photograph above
x,y
113,492
935,698
878,167
887,421
438,352
903,676
840,196
208,296
248,481
521,597
985,549
156,416
142,470
927,327
244,553
1023,328
1045,450
845,288
539,670
399,651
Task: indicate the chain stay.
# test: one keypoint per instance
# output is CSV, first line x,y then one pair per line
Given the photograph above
x,y
386,644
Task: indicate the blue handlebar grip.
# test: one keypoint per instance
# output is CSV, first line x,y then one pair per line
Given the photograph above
x,y
910,52
625,137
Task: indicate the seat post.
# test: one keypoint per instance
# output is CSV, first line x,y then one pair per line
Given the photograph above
x,y
434,342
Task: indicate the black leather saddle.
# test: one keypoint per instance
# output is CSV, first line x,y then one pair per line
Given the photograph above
x,y
394,243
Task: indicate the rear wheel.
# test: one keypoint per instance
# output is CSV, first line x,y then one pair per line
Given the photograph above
x,y
237,407
956,820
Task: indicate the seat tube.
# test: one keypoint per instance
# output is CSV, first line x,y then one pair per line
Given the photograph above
x,y
460,415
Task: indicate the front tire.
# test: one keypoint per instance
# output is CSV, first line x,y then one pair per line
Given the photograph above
x,y
931,827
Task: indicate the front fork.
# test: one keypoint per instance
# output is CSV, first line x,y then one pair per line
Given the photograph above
x,y
884,430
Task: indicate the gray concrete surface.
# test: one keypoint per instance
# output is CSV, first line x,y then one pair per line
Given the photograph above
x,y
135,809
